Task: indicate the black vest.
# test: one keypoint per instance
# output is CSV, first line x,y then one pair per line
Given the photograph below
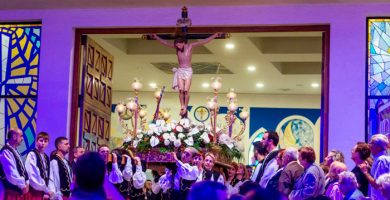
x,y
41,163
19,165
127,189
268,159
210,175
65,178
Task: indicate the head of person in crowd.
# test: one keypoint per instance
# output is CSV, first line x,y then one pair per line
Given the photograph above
x,y
42,141
230,171
62,145
307,156
148,184
270,140
279,157
249,169
333,155
247,186
78,151
188,153
347,182
104,151
378,144
384,185
208,190
291,154
15,137
259,150
241,173
335,169
209,161
89,172
197,159
360,153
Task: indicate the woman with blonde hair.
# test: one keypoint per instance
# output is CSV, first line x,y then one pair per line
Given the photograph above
x,y
207,172
332,188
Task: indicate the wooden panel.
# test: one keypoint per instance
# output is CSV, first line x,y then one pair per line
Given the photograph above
x,y
107,129
97,92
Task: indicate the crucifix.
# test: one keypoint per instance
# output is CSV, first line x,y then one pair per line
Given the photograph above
x,y
183,73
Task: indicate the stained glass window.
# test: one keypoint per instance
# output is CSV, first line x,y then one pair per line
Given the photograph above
x,y
378,90
20,50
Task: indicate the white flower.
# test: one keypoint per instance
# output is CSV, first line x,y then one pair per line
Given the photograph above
x,y
150,132
166,142
166,136
205,138
172,137
127,139
160,122
225,139
181,136
185,122
151,126
156,130
169,128
154,141
189,141
139,136
179,129
164,129
194,131
177,143
201,127
135,143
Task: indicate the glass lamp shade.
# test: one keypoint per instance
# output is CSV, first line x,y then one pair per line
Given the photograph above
x,y
232,107
216,84
142,113
120,108
231,94
211,105
136,85
244,114
131,105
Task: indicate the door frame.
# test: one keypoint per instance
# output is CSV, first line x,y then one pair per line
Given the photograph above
x,y
324,28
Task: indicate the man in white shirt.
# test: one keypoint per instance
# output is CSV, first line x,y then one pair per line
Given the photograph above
x,y
381,165
37,166
12,170
60,170
270,141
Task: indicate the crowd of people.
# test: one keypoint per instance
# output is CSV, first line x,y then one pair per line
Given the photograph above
x,y
118,174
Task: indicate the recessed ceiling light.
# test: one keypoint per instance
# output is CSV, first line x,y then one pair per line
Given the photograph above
x,y
205,85
229,46
251,68
153,85
259,85
315,85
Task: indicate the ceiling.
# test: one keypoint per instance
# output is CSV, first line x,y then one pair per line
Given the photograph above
x,y
286,63
52,4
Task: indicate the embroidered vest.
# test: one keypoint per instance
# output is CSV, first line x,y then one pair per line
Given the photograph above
x,y
43,166
210,175
65,178
19,165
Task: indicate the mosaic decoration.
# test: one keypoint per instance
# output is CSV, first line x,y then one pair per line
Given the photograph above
x,y
379,57
296,127
20,50
378,77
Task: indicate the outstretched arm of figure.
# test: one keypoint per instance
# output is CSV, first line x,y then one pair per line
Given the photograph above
x,y
207,40
162,41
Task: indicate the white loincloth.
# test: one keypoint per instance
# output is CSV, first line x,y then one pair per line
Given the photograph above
x,y
184,73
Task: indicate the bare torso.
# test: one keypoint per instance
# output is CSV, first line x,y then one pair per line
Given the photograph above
x,y
184,57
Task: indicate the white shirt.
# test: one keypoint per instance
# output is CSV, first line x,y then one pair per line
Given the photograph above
x,y
186,172
165,181
36,181
381,165
11,172
54,181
